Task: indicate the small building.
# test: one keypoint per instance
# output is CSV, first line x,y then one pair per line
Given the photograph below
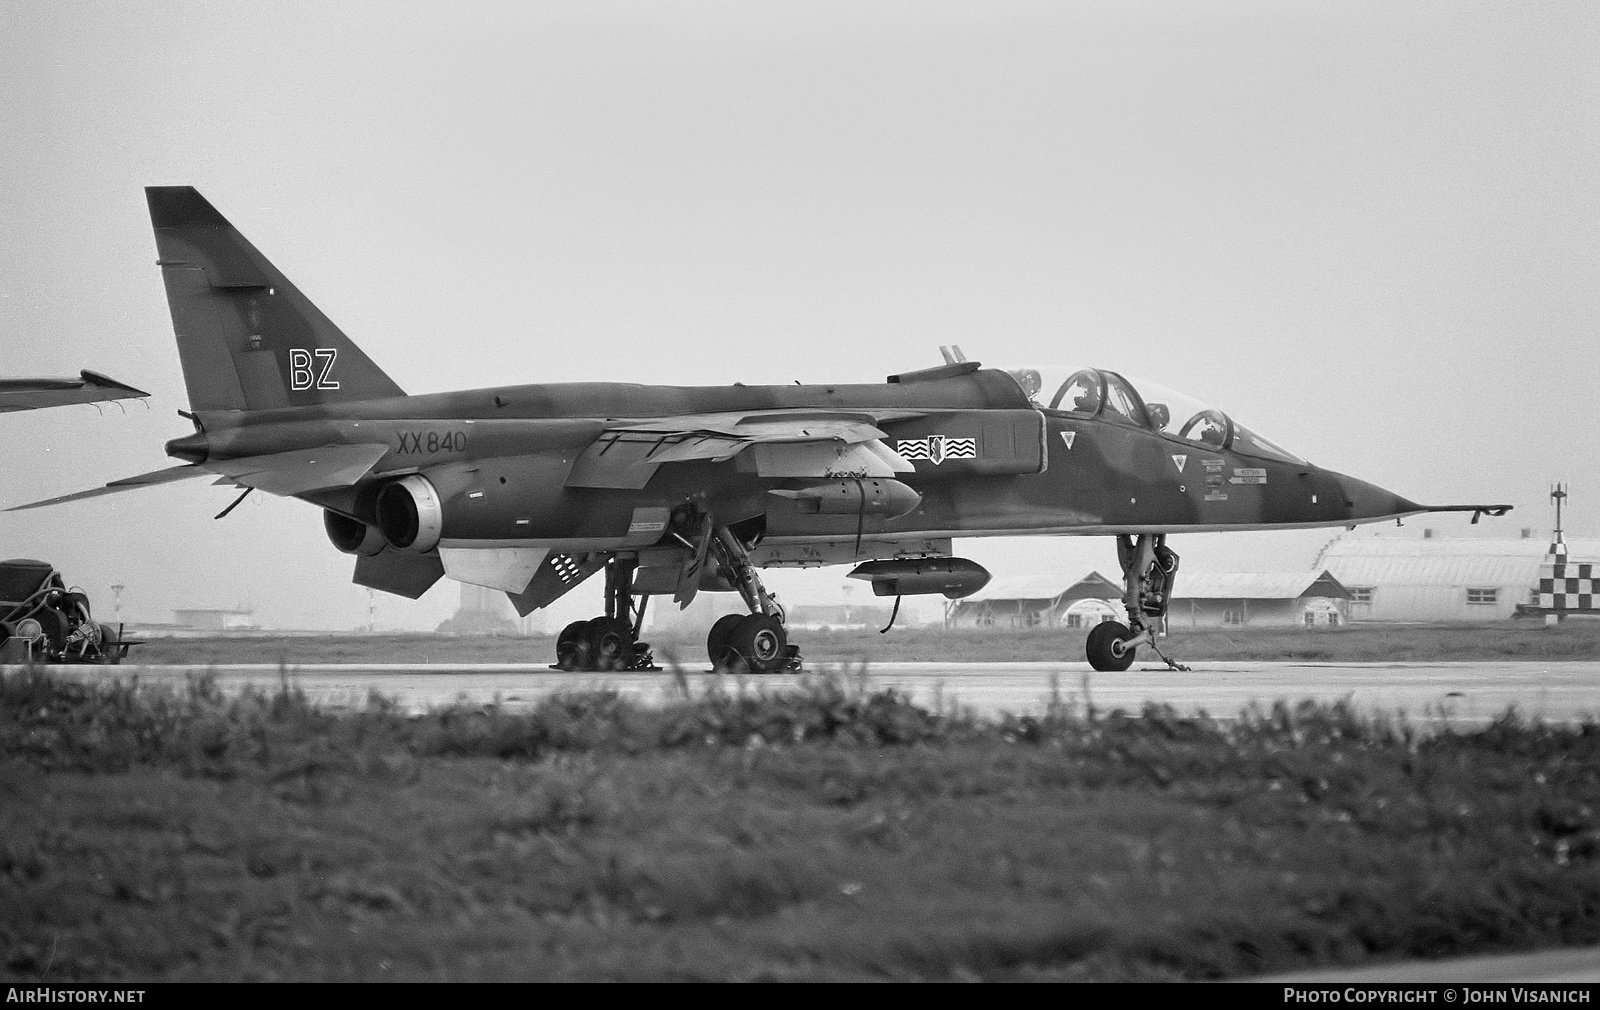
x,y
1250,599
1433,578
216,619
1038,601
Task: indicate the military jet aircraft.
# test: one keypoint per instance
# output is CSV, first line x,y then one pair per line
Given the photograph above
x,y
672,490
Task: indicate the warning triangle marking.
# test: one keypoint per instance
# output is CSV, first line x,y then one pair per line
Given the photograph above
x,y
1068,436
1180,459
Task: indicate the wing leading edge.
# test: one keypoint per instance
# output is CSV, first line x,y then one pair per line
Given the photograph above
x,y
785,443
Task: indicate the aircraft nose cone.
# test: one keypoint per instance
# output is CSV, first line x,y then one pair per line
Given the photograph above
x,y
1369,501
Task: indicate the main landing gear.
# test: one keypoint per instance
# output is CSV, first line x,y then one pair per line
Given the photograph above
x,y
756,642
610,642
1148,570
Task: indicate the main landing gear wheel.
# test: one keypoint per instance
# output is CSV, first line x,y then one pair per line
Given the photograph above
x,y
753,643
759,642
717,640
610,642
572,647
1104,646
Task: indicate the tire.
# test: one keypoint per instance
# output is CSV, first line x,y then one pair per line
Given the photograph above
x,y
1098,646
572,647
610,643
110,647
717,640
760,643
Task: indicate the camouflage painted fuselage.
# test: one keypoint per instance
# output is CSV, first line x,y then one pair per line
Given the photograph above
x,y
503,459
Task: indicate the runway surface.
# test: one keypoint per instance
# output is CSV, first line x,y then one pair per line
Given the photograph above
x,y
1466,693
1576,966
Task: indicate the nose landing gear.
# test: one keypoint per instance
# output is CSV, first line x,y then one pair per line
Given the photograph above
x,y
1149,568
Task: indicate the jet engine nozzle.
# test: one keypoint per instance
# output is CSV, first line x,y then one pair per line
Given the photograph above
x,y
410,516
874,496
352,536
954,577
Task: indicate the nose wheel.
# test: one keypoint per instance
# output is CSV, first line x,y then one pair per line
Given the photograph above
x,y
1149,569
1108,647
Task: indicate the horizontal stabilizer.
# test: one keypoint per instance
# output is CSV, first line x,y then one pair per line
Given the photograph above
x,y
291,473
88,387
280,473
166,476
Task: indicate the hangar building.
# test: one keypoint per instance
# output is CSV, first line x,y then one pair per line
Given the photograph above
x,y
216,619
1434,578
1252,599
1038,601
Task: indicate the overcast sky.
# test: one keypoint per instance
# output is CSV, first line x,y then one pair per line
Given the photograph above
x,y
1369,231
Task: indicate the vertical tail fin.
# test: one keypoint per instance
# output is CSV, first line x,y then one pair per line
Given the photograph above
x,y
248,339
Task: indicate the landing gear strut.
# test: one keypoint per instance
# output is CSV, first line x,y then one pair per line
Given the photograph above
x,y
756,642
609,642
1148,571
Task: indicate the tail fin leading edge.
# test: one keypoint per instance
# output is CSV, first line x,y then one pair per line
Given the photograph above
x,y
247,337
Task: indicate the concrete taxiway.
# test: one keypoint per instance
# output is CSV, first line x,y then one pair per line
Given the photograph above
x,y
1574,966
1465,693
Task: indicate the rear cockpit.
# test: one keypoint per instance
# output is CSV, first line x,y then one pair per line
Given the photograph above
x,y
1095,392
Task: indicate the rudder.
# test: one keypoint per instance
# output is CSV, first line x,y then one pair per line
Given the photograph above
x,y
247,338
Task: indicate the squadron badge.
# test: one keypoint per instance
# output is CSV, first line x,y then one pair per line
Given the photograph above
x,y
938,448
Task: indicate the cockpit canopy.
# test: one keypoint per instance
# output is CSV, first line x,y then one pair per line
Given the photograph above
x,y
1095,392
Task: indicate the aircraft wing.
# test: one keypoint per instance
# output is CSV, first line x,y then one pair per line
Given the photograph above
x,y
772,425
817,443
88,387
280,473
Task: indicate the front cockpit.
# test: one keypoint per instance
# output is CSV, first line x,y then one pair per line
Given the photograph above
x,y
1096,392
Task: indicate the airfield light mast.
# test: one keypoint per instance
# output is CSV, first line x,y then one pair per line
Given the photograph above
x,y
1558,546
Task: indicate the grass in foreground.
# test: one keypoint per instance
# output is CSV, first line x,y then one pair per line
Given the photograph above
x,y
828,833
